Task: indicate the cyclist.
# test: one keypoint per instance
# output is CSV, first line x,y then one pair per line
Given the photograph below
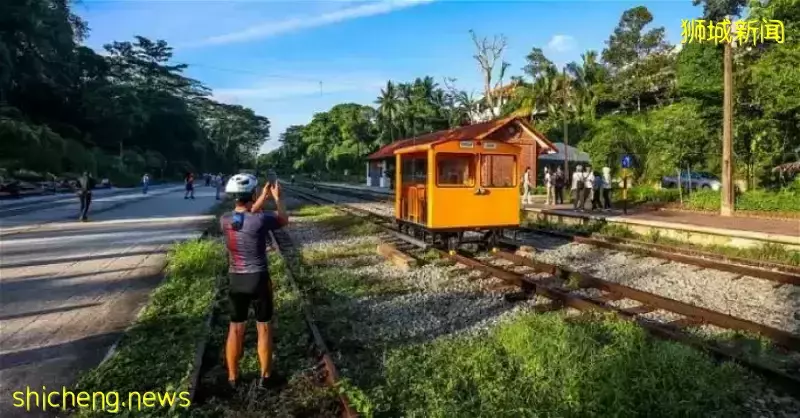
x,y
246,234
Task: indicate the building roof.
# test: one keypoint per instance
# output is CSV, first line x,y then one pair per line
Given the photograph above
x,y
470,132
575,155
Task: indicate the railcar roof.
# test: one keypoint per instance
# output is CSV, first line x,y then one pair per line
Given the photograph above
x,y
476,131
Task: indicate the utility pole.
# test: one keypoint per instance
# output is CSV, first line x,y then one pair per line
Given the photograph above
x,y
727,198
566,129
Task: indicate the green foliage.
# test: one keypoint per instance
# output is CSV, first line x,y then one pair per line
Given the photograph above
x,y
575,368
785,200
81,111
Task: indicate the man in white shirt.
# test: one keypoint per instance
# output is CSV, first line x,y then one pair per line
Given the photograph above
x,y
526,184
578,184
550,198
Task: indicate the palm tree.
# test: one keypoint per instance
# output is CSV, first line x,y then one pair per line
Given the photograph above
x,y
586,77
388,109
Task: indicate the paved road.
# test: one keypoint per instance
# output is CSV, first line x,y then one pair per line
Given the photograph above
x,y
68,289
35,204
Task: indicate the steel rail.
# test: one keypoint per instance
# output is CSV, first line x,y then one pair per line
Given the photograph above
x,y
780,273
331,373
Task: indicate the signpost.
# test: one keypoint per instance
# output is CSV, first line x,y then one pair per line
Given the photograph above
x,y
627,161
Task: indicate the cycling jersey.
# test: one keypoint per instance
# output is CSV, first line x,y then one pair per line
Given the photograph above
x,y
247,242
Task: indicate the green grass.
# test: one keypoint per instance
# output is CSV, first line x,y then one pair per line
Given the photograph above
x,y
157,353
303,396
767,252
539,365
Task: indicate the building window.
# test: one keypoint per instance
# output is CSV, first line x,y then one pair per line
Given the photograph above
x,y
498,171
455,170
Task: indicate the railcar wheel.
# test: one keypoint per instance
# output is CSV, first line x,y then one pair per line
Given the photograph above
x,y
493,240
452,243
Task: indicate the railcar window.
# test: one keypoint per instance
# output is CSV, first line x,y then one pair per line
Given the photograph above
x,y
498,171
415,170
455,170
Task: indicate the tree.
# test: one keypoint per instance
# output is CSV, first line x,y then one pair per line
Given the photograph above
x,y
487,54
638,61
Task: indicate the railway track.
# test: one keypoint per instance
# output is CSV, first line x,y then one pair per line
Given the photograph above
x,y
779,273
282,242
569,289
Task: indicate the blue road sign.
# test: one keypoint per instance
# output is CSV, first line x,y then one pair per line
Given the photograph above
x,y
626,161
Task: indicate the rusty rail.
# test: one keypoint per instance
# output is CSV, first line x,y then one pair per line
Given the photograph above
x,y
780,273
331,373
780,337
564,297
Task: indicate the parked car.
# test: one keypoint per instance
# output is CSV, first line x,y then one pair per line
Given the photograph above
x,y
697,180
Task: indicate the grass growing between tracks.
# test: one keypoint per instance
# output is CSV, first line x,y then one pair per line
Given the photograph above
x,y
767,252
546,365
157,353
303,395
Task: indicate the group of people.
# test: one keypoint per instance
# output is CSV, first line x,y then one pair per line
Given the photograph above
x,y
586,186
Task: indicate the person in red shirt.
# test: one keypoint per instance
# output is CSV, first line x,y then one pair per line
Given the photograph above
x,y
189,180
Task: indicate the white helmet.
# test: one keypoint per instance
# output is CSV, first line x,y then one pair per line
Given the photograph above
x,y
241,184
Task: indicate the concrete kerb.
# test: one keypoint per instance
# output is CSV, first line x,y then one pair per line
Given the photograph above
x,y
21,229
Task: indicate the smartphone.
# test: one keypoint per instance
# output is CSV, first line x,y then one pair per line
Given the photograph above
x,y
272,178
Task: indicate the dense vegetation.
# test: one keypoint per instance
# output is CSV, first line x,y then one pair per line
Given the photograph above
x,y
639,96
65,108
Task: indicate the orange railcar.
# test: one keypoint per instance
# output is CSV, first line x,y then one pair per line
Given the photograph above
x,y
448,187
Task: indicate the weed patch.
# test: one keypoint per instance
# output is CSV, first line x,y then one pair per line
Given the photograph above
x,y
541,365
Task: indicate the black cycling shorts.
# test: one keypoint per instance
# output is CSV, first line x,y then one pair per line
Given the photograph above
x,y
247,288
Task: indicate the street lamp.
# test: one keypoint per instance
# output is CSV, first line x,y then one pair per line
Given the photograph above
x,y
727,205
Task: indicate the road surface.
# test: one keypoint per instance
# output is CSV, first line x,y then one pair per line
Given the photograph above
x,y
69,289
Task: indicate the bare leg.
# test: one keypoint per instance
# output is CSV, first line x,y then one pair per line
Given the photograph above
x,y
265,347
234,348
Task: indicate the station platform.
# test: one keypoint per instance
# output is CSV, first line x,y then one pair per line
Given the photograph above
x,y
698,228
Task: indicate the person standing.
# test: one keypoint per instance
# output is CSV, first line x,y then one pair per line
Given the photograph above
x,y
189,180
246,233
526,187
578,184
606,188
559,186
85,185
145,183
597,191
218,180
588,187
549,198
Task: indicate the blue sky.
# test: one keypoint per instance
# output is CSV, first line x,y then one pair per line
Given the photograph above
x,y
289,60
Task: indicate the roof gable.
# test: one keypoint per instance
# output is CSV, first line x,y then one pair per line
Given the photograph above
x,y
470,132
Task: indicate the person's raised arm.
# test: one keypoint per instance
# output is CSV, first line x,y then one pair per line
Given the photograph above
x,y
262,199
283,217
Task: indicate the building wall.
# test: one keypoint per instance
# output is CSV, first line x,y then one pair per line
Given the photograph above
x,y
529,152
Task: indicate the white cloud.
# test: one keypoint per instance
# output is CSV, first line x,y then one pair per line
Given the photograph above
x,y
284,89
561,43
269,29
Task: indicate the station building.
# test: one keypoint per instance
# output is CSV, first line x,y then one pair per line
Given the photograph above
x,y
513,130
